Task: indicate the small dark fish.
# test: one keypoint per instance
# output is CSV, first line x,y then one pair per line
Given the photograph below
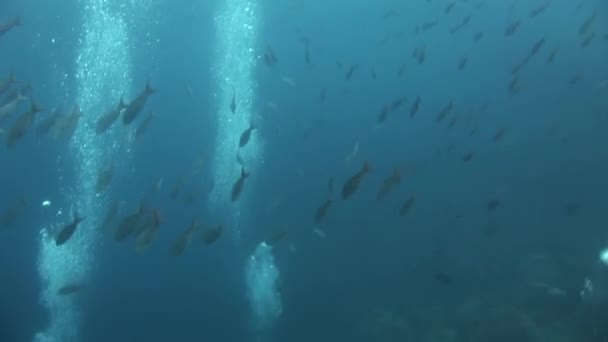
x,y
449,7
307,54
540,9
276,236
45,125
407,205
398,102
210,236
107,120
246,135
373,73
499,135
584,28
572,208
511,27
462,63
130,224
443,113
351,71
552,55
179,245
390,14
401,70
352,184
6,27
135,107
478,36
237,188
429,25
69,289
587,39
66,232
21,125
233,101
493,204
388,184
270,57
465,21
467,157
383,115
414,107
104,178
514,86
444,278
322,95
322,210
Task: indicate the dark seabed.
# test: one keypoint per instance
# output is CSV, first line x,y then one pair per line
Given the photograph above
x,y
256,170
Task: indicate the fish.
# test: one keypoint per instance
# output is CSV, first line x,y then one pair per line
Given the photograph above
x,y
351,70
11,106
211,235
107,120
478,36
352,183
270,57
148,232
233,101
383,114
68,231
414,107
586,25
237,188
398,102
443,113
69,289
143,126
462,63
5,85
499,135
467,157
444,278
448,8
587,39
66,126
407,205
388,184
511,28
104,178
539,9
21,125
465,21
129,224
552,55
322,210
179,245
322,96
246,135
135,107
49,122
492,204
6,27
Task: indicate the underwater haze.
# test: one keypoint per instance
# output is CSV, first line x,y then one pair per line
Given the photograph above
x,y
257,170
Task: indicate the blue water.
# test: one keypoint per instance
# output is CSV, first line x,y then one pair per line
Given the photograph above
x,y
451,269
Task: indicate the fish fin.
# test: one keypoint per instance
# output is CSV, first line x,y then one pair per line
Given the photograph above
x,y
244,173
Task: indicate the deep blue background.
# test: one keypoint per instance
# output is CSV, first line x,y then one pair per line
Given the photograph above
x,y
372,260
